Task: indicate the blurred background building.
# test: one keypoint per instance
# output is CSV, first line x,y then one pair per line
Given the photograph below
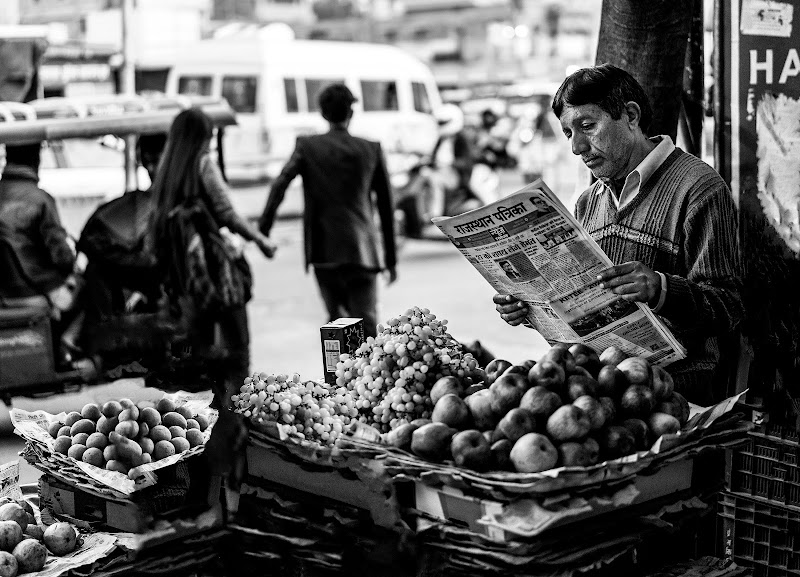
x,y
466,42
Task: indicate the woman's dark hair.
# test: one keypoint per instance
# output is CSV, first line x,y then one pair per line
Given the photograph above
x,y
24,155
608,87
335,102
178,174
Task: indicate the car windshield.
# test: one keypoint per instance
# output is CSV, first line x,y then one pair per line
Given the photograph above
x,y
105,152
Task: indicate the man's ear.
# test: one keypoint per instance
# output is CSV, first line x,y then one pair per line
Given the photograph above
x,y
633,114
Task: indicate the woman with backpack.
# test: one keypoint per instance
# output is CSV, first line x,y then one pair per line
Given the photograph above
x,y
205,277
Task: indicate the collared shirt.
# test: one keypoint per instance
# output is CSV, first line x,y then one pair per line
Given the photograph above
x,y
637,178
642,173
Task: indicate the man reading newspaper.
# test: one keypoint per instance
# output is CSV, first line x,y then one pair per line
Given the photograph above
x,y
665,217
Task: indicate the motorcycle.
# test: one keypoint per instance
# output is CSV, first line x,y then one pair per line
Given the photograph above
x,y
424,191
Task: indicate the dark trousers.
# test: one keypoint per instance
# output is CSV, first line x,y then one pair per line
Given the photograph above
x,y
350,292
234,349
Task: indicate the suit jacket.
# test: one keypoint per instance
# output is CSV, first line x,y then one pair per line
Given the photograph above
x,y
339,172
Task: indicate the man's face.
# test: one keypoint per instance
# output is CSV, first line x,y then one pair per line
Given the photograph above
x,y
605,145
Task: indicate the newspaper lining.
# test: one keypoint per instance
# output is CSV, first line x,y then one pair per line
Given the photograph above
x,y
34,425
528,245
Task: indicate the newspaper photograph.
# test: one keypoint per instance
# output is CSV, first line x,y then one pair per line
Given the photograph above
x,y
529,245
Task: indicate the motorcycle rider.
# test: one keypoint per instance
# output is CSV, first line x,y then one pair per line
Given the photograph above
x,y
451,166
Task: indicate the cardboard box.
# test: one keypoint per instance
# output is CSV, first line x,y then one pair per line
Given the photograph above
x,y
343,335
330,483
453,505
63,499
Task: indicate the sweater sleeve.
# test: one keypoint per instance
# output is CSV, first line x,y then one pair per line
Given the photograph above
x,y
708,300
55,238
220,204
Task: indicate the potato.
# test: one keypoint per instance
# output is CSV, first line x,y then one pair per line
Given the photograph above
x,y
62,444
150,416
64,431
54,428
118,466
97,440
177,431
202,420
127,429
72,418
106,424
195,437
91,411
184,411
147,445
192,424
165,405
80,439
163,449
93,456
128,450
83,426
174,419
129,414
160,433
76,452
180,444
110,453
111,409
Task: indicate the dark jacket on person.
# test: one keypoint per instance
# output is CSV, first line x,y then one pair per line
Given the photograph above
x,y
33,229
339,171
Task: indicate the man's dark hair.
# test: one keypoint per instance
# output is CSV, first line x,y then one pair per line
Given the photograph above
x,y
24,155
608,87
335,102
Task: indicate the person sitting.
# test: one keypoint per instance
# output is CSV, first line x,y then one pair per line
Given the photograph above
x,y
31,228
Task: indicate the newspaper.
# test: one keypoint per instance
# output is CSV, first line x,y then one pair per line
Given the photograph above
x,y
528,245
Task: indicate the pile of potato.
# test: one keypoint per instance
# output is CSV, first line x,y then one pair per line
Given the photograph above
x,y
122,435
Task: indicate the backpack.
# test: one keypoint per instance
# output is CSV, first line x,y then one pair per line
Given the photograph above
x,y
200,264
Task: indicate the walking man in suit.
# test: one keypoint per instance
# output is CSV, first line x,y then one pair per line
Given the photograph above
x,y
340,172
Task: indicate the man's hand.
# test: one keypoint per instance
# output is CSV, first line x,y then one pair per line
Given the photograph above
x,y
265,245
392,273
633,281
511,309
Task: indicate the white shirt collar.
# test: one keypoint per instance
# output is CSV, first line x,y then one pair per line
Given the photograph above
x,y
639,176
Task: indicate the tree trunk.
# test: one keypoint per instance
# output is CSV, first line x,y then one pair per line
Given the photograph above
x,y
648,38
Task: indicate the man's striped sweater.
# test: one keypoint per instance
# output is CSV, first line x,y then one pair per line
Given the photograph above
x,y
682,224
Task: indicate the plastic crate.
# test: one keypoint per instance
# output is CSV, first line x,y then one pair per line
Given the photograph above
x,y
768,466
761,535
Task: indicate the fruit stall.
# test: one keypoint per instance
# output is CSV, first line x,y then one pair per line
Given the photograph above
x,y
408,459
415,460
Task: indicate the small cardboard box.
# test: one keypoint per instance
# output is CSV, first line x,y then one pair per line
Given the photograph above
x,y
453,505
63,499
343,335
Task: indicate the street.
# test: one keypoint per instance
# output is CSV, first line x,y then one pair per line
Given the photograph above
x,y
286,313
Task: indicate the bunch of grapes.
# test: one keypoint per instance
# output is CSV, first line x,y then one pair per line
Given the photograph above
x,y
305,409
390,376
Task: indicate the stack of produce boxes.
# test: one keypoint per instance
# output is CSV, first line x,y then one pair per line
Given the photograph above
x,y
562,462
132,469
760,510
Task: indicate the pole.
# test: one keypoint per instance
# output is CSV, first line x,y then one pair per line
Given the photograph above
x,y
129,88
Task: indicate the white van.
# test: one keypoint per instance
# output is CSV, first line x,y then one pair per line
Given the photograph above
x,y
273,86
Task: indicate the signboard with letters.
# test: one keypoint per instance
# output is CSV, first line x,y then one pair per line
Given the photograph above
x,y
759,78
